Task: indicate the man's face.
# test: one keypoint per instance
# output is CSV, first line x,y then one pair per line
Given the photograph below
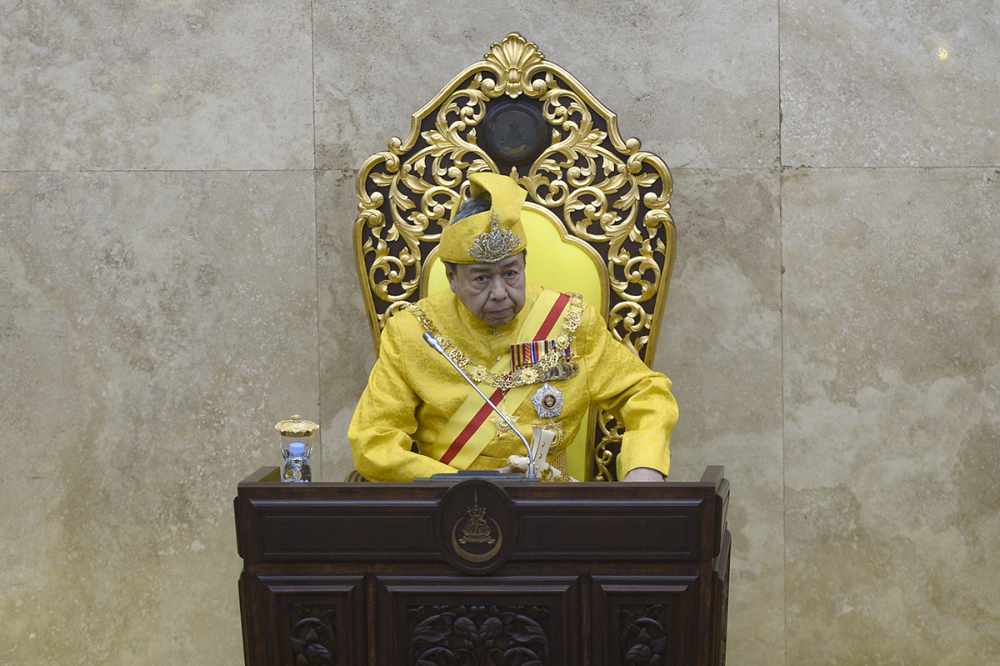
x,y
493,293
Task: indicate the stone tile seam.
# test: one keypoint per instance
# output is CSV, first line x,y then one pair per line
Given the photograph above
x,y
781,356
781,98
782,168
781,352
316,252
72,171
312,72
897,167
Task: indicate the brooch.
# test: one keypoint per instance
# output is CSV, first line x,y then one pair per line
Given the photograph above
x,y
548,402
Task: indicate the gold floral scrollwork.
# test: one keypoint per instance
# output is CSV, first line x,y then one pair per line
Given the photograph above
x,y
515,59
609,439
606,190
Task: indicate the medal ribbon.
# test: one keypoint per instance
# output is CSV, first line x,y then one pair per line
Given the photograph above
x,y
529,353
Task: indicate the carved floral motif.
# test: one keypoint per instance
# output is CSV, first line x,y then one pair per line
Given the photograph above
x,y
643,638
312,636
479,635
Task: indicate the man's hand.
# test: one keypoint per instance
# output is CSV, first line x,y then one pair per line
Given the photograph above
x,y
643,474
546,472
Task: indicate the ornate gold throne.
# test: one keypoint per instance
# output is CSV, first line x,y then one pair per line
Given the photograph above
x,y
600,206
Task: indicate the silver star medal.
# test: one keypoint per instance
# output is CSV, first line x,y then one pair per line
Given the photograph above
x,y
548,401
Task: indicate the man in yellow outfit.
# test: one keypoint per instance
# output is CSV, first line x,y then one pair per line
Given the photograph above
x,y
544,357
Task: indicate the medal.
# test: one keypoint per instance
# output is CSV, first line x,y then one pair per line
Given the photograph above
x,y
527,354
548,402
562,370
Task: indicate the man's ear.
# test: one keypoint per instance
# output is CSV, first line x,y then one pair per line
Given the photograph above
x,y
451,272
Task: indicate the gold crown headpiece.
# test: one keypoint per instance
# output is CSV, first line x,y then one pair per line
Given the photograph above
x,y
492,235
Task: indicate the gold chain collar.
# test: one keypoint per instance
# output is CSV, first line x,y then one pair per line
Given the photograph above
x,y
531,374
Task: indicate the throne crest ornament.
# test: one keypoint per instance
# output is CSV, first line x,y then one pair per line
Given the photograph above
x,y
599,205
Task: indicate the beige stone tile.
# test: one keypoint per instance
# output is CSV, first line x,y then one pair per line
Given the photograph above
x,y
185,84
892,415
345,343
891,83
721,346
697,82
153,327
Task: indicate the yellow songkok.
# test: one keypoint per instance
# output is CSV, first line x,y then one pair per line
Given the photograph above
x,y
492,235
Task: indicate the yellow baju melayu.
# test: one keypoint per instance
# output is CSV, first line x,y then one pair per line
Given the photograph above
x,y
414,395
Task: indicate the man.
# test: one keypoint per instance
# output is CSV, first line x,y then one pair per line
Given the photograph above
x,y
544,357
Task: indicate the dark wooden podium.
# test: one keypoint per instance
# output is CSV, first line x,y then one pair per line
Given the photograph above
x,y
472,572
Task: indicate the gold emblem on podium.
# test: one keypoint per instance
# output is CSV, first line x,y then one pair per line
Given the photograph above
x,y
476,537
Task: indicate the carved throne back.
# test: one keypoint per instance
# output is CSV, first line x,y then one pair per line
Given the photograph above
x,y
602,205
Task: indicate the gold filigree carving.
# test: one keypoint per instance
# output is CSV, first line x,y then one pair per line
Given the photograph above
x,y
609,440
515,57
606,190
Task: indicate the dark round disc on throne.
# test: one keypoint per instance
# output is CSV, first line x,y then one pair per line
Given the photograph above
x,y
514,132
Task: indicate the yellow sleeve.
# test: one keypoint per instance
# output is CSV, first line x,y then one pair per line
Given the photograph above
x,y
381,430
621,383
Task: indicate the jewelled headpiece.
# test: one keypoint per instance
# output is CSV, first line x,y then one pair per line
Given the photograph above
x,y
489,236
496,244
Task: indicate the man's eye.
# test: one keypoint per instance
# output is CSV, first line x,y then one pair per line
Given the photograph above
x,y
480,279
510,274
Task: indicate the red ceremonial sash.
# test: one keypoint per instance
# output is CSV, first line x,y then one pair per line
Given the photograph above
x,y
470,429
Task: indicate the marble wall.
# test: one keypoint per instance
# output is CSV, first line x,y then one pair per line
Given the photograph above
x,y
176,273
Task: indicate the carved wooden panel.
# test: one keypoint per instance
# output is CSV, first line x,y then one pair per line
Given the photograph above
x,y
666,526
637,531
440,621
575,588
313,633
644,632
342,530
644,621
311,620
478,632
